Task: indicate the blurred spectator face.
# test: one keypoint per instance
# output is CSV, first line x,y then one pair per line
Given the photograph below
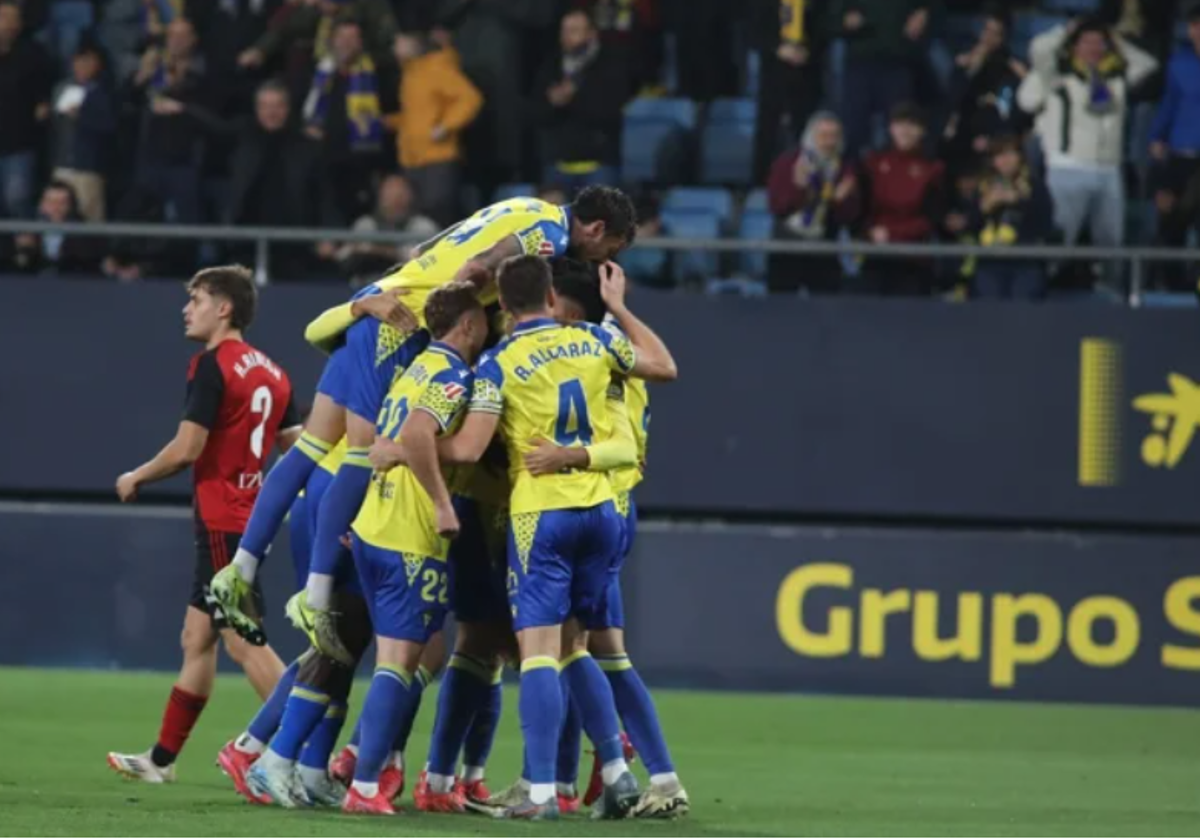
x,y
575,32
10,23
966,185
1007,162
347,44
994,34
181,38
271,108
55,205
1193,31
906,135
827,138
1091,48
85,67
395,197
407,47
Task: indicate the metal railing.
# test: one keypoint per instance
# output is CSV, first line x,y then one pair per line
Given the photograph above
x,y
1138,258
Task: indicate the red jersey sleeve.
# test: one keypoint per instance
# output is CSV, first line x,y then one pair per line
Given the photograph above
x,y
206,386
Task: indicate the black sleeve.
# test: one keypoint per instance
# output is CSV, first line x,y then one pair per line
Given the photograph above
x,y
204,392
291,415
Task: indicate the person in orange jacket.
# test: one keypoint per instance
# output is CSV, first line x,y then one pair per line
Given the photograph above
x,y
436,103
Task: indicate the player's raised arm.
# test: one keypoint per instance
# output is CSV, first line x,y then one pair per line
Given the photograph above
x,y
653,361
175,457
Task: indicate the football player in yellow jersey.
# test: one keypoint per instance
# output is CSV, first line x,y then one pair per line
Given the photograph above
x,y
402,534
551,380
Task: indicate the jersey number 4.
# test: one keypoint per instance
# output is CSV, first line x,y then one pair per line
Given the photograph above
x,y
573,425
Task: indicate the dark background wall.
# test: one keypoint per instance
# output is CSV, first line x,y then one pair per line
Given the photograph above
x,y
1034,458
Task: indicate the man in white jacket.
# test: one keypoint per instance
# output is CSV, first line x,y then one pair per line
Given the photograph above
x,y
1079,89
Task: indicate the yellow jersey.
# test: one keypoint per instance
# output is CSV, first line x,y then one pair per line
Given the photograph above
x,y
541,228
397,513
549,380
637,403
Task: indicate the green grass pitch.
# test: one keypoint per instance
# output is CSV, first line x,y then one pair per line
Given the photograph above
x,y
754,765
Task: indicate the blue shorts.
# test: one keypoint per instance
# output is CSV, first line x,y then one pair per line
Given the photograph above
x,y
405,593
359,373
613,614
562,563
302,533
476,566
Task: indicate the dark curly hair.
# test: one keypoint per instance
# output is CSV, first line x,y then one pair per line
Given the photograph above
x,y
609,205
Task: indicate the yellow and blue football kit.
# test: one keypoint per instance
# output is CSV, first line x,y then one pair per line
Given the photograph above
x,y
302,518
542,229
400,557
551,381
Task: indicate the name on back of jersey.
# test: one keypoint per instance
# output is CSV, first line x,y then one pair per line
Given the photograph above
x,y
545,355
256,359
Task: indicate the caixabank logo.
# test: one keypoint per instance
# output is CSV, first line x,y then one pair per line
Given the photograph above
x,y
1162,423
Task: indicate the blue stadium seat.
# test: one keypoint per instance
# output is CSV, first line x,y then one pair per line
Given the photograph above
x,y
736,286
755,225
507,191
1071,7
1169,300
732,111
692,265
727,154
756,201
654,139
647,267
703,200
753,74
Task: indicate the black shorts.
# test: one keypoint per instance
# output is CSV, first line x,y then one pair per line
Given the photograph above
x,y
214,550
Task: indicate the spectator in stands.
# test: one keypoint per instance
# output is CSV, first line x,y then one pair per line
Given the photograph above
x,y
1013,209
26,75
983,94
85,123
1149,24
903,197
791,56
128,26
706,67
813,193
1175,148
436,103
169,78
631,31
489,36
362,262
56,253
885,39
1079,88
344,111
579,98
315,21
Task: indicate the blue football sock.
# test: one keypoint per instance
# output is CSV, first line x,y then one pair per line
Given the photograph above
x,y
636,708
387,701
305,708
270,713
356,735
482,733
280,488
464,690
338,508
421,681
570,742
541,716
591,691
323,739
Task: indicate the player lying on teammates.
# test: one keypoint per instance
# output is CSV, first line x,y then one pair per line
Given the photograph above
x,y
239,406
548,380
597,225
401,537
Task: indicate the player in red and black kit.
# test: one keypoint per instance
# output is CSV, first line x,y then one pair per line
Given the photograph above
x,y
239,406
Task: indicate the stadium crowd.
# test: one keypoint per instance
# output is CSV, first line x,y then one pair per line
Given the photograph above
x,y
889,121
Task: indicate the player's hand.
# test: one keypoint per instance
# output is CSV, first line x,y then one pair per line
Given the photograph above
x,y
385,454
612,286
447,521
127,487
474,273
546,458
390,309
250,58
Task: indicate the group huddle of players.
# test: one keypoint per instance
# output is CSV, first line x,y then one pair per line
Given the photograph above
x,y
476,434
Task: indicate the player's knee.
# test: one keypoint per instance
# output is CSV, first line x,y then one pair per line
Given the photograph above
x,y
239,650
607,642
359,430
327,420
195,643
433,657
